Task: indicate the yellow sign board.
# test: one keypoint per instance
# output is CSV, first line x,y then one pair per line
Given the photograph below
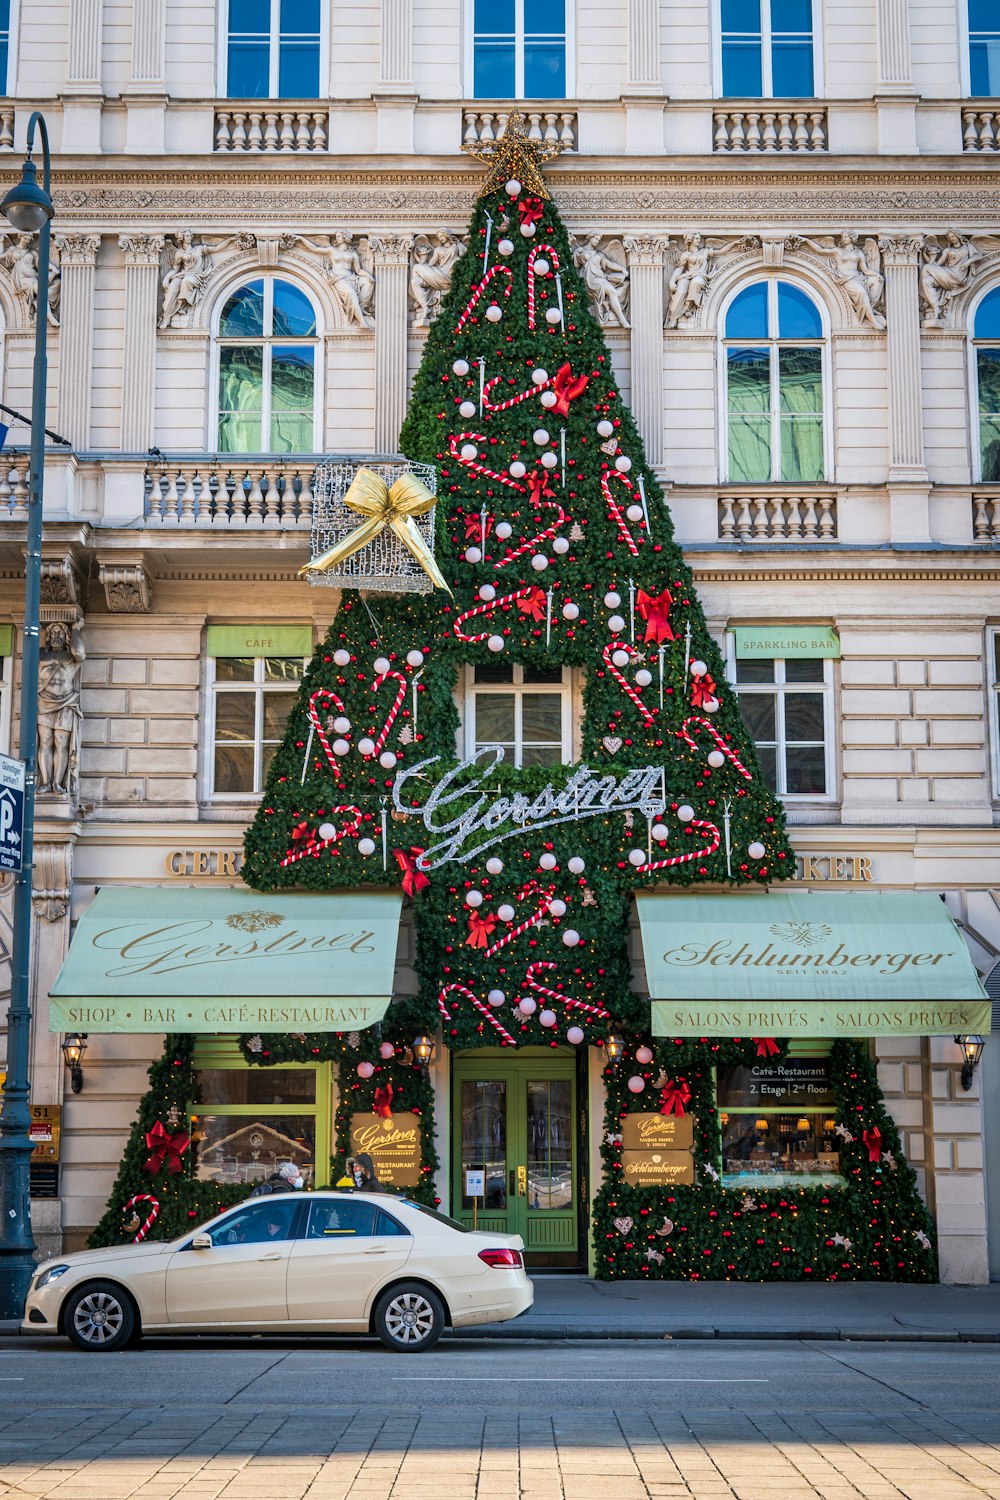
x,y
44,1131
657,1133
658,1168
393,1145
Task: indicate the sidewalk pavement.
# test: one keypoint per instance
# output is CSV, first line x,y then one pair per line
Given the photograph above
x,y
575,1307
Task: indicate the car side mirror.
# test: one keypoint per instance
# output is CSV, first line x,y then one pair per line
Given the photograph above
x,y
202,1241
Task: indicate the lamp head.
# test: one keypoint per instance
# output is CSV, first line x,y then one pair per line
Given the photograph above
x,y
27,206
74,1045
972,1050
614,1046
423,1050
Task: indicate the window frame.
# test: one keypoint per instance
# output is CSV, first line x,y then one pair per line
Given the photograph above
x,y
569,47
9,90
259,688
766,69
993,707
826,690
7,691
274,60
825,346
974,344
268,341
564,688
966,35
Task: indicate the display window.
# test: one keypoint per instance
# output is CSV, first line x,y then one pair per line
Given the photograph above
x,y
779,1125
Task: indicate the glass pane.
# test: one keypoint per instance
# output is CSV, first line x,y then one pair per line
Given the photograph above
x,y
487,672
982,15
988,365
299,16
541,755
806,669
250,15
493,70
291,432
802,449
234,668
805,771
758,711
804,716
257,1224
234,716
771,1150
277,707
257,1085
755,669
248,73
988,320
741,15
4,60
5,14
292,377
541,719
749,380
248,1148
791,15
798,315
484,1138
494,17
293,312
989,447
545,18
282,669
540,674
741,72
769,765
241,396
233,769
341,1220
550,1145
243,314
267,754
494,718
749,450
747,315
800,380
545,70
984,60
386,1224
792,70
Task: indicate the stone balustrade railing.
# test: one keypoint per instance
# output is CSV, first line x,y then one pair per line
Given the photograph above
x,y
286,128
13,486
770,130
231,494
986,515
981,129
7,128
553,126
751,516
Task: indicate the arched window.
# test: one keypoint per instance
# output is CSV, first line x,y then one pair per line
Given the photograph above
x,y
987,335
267,374
774,385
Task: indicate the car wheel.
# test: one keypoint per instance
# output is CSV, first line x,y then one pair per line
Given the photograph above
x,y
99,1316
409,1318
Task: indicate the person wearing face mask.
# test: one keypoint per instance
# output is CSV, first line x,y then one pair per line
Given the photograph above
x,y
364,1174
287,1179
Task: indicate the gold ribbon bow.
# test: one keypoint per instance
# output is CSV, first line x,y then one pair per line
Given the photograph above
x,y
371,497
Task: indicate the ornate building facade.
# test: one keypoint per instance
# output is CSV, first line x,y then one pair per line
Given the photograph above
x,y
789,226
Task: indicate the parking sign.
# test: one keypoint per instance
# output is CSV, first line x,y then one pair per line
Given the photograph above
x,y
11,812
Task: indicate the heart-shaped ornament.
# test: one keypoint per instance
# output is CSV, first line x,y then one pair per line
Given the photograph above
x,y
317,700
624,1225
612,743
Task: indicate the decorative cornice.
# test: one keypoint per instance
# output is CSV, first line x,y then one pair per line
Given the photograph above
x,y
126,586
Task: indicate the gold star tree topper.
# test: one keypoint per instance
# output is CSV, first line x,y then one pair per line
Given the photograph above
x,y
515,157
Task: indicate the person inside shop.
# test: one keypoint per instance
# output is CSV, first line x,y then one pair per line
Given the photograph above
x,y
287,1179
364,1174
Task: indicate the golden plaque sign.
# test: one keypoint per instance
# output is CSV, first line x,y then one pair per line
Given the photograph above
x,y
658,1168
43,1132
657,1133
393,1145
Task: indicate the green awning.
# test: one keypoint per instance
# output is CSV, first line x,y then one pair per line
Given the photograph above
x,y
155,959
803,964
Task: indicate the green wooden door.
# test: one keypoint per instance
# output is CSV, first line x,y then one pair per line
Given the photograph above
x,y
515,1121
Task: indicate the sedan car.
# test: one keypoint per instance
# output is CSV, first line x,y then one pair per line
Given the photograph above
x,y
324,1262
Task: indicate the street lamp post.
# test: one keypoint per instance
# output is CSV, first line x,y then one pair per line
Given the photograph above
x,y
28,208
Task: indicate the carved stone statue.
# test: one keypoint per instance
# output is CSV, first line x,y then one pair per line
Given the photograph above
x,y
605,274
945,272
20,258
690,279
351,276
59,713
185,279
858,271
431,272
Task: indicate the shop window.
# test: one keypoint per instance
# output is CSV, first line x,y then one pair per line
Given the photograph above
x,y
250,700
984,49
787,705
524,709
519,49
987,346
266,347
778,1123
767,49
273,49
774,363
251,1119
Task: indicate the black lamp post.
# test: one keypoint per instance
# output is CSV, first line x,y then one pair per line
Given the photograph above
x,y
28,208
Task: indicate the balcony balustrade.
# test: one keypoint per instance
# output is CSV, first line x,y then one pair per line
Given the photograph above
x,y
285,127
755,515
795,127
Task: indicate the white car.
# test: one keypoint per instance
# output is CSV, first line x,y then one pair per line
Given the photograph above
x,y
324,1262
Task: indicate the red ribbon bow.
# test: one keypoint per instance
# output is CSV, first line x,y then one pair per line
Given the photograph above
x,y
702,688
873,1140
539,487
674,1097
383,1101
165,1147
533,604
474,527
300,830
414,878
531,210
481,924
766,1046
567,387
656,613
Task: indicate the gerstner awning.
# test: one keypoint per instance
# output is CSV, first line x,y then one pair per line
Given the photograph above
x,y
804,964
154,959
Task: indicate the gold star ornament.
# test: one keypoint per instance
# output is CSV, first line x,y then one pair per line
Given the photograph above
x,y
515,158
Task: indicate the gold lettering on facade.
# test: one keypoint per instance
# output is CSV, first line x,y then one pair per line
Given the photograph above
x,y
206,863
855,869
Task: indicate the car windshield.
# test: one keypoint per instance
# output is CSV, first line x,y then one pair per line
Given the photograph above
x,y
432,1213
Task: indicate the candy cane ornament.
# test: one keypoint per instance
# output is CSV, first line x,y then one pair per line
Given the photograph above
x,y
545,897
533,390
535,251
479,289
543,989
534,542
321,735
315,846
613,508
153,1213
394,710
463,989
648,715
684,859
683,734
477,468
480,610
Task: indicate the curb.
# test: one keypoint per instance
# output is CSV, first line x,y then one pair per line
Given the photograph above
x,y
553,1332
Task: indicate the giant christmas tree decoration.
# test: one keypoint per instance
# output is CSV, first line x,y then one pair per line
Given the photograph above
x,y
557,550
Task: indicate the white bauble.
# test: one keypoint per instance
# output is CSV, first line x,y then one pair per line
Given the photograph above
x,y
616,623
487,592
494,865
513,188
495,643
547,1018
612,600
540,436
473,898
623,463
366,847
504,528
575,1035
342,725
496,998
643,1056
527,1005
661,832
549,398
528,230
388,759
685,812
636,1084
517,469
605,428
557,908
637,857
327,831
560,546
414,658
494,313
634,513
576,865
365,1069
570,937
549,460
716,759
467,409
381,664
505,247
756,850
541,266
698,669
643,677
469,451
539,562
473,555
553,315
366,745
505,912
540,376
342,657
547,861
341,747
461,367
711,705
570,611
620,658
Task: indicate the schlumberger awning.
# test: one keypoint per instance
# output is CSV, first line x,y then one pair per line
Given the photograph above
x,y
151,959
798,964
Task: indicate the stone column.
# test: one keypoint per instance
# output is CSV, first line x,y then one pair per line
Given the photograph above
x,y
83,100
643,93
909,486
895,98
392,261
395,97
78,260
142,285
145,96
645,262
